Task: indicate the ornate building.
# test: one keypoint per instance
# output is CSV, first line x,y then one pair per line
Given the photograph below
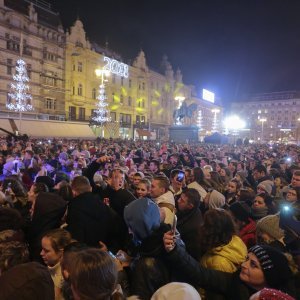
x,y
33,31
64,85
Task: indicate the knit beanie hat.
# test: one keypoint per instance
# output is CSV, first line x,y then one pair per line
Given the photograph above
x,y
266,186
240,210
274,265
142,217
270,225
176,291
271,294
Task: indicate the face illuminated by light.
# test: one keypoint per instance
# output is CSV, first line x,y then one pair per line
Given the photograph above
x,y
48,254
291,195
231,188
295,181
259,202
142,190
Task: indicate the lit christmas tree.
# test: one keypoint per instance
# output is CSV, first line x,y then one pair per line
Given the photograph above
x,y
101,113
20,99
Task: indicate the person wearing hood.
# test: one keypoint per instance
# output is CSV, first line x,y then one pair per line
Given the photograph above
x,y
148,271
163,197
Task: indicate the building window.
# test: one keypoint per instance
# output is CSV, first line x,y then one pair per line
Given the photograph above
x,y
73,90
9,67
72,112
79,67
122,99
140,120
29,70
125,118
143,86
113,97
122,81
80,89
74,67
129,101
81,113
143,103
50,104
129,83
94,93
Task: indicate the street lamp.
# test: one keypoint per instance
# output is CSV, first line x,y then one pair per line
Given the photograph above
x,y
263,120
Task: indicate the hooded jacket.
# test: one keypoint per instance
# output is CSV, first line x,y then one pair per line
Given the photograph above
x,y
227,258
168,199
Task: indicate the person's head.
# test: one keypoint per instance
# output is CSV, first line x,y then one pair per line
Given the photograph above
x,y
259,171
265,267
28,154
137,178
225,172
296,179
214,199
11,254
188,177
143,188
159,186
262,200
293,194
240,176
204,161
142,217
265,187
233,186
16,186
173,159
197,175
80,185
10,219
117,178
241,213
232,166
246,195
217,229
188,200
177,178
93,275
35,189
206,171
154,165
53,243
268,230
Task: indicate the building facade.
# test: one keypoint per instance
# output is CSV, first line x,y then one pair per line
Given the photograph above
x,y
271,116
33,32
64,85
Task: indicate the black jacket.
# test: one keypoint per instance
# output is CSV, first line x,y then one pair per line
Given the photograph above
x,y
90,220
188,225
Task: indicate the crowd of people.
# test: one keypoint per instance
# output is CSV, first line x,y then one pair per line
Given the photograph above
x,y
123,219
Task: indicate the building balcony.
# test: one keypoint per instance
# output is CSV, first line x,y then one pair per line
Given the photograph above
x,y
141,125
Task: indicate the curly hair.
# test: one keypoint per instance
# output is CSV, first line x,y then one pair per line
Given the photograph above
x,y
217,229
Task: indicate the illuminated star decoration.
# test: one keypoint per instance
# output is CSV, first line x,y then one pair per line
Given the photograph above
x,y
101,113
21,99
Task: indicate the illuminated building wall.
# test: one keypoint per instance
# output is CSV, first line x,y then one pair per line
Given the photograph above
x,y
38,29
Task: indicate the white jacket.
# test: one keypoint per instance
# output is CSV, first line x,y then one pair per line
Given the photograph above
x,y
167,198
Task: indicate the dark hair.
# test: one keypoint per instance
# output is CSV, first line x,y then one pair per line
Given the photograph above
x,y
156,162
65,191
260,168
10,218
238,184
39,187
15,185
93,275
246,195
193,196
217,229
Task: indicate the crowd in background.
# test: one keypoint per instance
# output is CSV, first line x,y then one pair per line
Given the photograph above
x,y
117,219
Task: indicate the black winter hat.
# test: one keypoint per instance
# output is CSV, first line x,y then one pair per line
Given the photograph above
x,y
241,211
274,265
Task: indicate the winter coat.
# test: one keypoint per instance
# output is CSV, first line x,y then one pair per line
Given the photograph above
x,y
227,258
90,220
248,234
189,224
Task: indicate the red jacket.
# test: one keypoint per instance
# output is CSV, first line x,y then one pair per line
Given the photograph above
x,y
248,233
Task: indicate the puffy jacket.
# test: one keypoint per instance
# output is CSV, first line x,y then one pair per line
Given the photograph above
x,y
226,258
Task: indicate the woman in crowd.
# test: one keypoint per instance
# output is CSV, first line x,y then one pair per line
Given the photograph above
x,y
263,267
53,243
262,206
143,188
199,183
232,190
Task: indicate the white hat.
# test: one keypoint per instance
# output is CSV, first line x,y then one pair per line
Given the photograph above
x,y
176,291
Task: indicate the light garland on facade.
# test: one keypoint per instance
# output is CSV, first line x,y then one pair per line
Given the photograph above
x,y
20,97
101,113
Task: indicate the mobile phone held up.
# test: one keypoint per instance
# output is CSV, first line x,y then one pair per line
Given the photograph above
x,y
180,177
174,224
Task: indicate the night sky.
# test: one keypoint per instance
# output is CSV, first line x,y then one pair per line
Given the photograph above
x,y
232,48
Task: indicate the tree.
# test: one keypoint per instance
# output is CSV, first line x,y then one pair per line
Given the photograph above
x,y
20,99
101,114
